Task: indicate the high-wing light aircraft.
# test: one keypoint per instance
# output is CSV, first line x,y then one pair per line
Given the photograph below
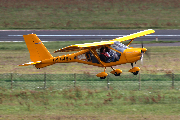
x,y
102,54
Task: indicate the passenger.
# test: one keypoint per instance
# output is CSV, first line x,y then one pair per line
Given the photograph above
x,y
104,56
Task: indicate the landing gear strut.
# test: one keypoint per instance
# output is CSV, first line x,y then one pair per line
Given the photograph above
x,y
132,65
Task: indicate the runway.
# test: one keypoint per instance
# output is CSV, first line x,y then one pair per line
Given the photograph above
x,y
78,35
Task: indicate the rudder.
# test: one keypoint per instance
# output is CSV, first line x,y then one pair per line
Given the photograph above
x,y
36,48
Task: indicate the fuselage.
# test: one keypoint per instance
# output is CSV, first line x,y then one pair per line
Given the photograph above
x,y
129,55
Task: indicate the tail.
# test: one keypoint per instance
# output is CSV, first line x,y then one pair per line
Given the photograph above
x,y
37,50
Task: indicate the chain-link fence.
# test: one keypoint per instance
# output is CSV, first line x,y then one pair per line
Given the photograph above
x,y
62,81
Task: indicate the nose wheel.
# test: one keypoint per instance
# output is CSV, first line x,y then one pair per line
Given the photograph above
x,y
134,70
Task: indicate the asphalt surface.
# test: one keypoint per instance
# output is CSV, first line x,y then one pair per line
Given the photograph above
x,y
70,35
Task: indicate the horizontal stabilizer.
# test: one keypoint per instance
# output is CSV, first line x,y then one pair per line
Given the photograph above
x,y
30,63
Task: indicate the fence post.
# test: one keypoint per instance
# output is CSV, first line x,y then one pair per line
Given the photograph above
x,y
74,79
108,82
172,80
44,80
11,81
139,81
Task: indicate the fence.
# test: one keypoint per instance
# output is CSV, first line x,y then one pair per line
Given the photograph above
x,y
62,81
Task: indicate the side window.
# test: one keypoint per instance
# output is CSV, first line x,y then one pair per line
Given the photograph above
x,y
88,56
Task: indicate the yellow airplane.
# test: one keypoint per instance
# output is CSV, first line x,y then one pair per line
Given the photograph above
x,y
102,54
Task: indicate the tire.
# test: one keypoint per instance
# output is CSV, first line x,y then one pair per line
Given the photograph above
x,y
117,74
102,77
135,73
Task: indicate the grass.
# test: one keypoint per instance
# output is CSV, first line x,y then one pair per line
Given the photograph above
x,y
101,14
88,103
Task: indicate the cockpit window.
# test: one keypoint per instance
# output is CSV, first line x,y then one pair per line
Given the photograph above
x,y
119,46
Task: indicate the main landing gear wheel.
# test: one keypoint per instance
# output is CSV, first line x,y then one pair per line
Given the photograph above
x,y
135,73
117,74
102,77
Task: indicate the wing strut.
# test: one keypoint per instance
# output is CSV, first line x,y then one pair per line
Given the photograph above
x,y
130,42
96,56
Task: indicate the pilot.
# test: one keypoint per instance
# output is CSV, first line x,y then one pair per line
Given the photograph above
x,y
114,56
104,56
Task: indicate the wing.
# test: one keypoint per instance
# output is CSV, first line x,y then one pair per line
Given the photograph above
x,y
78,47
133,36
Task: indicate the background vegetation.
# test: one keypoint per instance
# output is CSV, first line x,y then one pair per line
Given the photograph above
x,y
89,14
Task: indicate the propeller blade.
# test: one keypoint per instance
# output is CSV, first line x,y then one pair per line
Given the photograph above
x,y
142,59
142,45
147,52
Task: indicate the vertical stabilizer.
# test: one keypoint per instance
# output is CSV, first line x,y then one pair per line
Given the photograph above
x,y
36,48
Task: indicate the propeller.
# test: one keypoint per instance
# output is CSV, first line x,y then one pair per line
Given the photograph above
x,y
142,52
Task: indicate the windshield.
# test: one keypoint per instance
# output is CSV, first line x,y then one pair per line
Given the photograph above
x,y
119,46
